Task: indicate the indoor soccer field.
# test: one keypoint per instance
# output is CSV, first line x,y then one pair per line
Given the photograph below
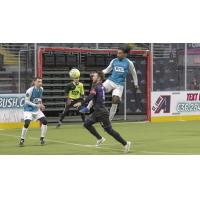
x,y
173,138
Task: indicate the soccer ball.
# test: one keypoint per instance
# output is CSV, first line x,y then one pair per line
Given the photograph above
x,y
74,73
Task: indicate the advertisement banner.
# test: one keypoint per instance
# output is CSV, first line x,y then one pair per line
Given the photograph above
x,y
183,103
11,107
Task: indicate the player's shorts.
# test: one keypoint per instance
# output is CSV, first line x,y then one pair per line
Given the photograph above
x,y
117,90
33,116
75,101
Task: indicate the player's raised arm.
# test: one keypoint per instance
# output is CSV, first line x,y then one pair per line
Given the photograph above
x,y
109,68
133,73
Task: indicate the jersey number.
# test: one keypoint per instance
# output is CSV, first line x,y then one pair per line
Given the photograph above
x,y
75,92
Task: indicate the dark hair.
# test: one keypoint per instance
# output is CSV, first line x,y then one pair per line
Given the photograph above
x,y
125,49
34,79
37,77
101,75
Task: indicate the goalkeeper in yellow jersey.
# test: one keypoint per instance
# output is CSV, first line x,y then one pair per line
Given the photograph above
x,y
74,94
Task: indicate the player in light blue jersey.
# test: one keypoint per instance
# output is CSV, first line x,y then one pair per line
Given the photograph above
x,y
119,67
33,108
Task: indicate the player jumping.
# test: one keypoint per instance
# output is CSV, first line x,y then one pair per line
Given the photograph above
x,y
101,114
120,67
74,94
33,110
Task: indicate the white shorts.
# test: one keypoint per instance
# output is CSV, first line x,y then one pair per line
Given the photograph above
x,y
33,116
117,90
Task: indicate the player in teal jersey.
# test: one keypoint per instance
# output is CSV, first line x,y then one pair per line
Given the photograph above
x,y
119,67
33,108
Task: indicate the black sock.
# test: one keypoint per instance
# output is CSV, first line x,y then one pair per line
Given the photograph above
x,y
62,116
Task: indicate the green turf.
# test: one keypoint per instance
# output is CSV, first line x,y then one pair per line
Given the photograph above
x,y
73,139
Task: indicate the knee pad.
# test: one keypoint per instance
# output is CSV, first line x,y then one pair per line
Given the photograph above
x,y
26,123
43,121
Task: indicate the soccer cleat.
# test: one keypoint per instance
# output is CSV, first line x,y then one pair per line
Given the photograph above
x,y
42,141
84,110
127,147
21,143
59,124
100,142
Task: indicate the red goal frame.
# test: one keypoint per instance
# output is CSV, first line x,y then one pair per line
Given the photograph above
x,y
145,53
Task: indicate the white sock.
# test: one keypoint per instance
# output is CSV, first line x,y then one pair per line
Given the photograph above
x,y
43,130
90,104
24,131
113,110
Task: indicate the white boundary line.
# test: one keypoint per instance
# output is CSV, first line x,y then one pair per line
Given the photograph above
x,y
103,147
66,143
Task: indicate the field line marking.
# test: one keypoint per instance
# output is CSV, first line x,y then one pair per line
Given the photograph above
x,y
101,147
66,143
75,144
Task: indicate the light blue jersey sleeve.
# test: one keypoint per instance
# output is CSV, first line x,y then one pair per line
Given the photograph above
x,y
133,72
109,68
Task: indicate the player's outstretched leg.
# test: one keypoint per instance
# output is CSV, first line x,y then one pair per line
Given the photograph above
x,y
83,117
62,116
89,126
24,131
43,130
113,109
117,136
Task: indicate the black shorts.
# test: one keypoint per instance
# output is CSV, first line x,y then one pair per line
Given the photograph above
x,y
101,116
73,102
67,107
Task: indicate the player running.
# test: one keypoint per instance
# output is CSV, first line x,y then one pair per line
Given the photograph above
x,y
120,68
74,94
33,108
101,114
